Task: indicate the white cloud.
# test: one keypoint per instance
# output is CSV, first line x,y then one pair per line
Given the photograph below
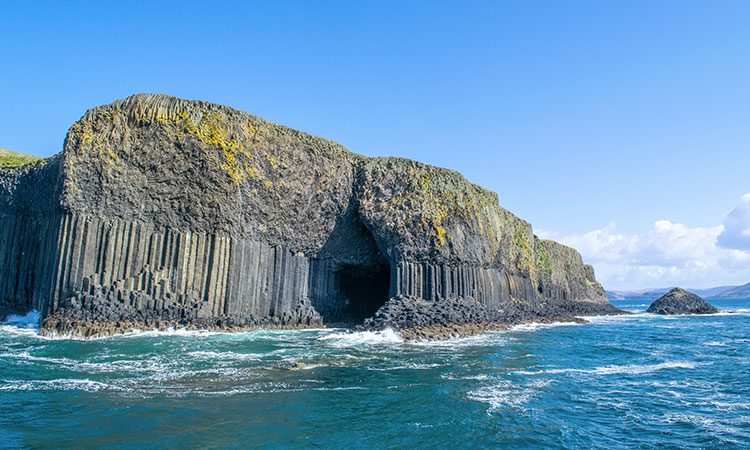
x,y
736,234
669,253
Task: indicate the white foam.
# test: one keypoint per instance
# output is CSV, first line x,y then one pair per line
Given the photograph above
x,y
166,332
387,336
209,355
615,369
14,330
727,312
454,377
620,318
118,366
26,356
350,388
533,326
29,321
62,384
731,406
550,371
505,394
490,337
640,369
409,366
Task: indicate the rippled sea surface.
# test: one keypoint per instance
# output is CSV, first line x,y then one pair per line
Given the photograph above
x,y
641,381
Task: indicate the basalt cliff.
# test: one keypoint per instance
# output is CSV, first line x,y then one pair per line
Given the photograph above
x,y
164,212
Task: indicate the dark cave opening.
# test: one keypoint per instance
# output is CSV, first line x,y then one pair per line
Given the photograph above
x,y
363,289
350,277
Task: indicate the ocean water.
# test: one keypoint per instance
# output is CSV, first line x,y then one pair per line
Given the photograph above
x,y
639,381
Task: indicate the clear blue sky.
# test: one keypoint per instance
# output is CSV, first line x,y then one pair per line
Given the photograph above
x,y
577,113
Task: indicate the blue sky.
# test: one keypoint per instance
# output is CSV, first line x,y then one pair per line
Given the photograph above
x,y
599,117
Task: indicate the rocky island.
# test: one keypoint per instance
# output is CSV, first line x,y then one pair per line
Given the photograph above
x,y
163,212
680,301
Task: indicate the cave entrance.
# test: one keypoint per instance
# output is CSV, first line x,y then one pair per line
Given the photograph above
x,y
350,278
363,290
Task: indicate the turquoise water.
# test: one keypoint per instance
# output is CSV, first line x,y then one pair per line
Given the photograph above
x,y
640,381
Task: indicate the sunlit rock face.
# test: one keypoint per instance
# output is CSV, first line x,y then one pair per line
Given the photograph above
x,y
167,212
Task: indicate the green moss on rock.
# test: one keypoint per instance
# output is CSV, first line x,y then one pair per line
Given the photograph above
x,y
10,159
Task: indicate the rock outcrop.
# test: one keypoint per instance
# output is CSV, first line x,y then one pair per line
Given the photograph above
x,y
166,212
680,301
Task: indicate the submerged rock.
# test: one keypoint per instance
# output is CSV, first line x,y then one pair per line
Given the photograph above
x,y
680,301
163,212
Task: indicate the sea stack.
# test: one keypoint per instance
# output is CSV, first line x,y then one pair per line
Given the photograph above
x,y
680,301
165,212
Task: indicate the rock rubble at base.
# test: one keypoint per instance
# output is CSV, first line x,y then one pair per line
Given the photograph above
x,y
418,319
413,318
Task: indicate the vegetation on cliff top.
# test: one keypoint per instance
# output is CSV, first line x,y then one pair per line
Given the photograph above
x,y
13,159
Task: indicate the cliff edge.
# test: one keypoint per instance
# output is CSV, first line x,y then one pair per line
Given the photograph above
x,y
167,212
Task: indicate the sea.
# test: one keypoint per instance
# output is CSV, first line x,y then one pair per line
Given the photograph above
x,y
638,381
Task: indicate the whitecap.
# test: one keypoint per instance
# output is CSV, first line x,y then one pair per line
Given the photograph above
x,y
603,319
612,369
641,369
387,336
533,326
454,377
137,332
62,384
210,355
26,356
491,337
550,371
505,394
350,388
409,366
30,321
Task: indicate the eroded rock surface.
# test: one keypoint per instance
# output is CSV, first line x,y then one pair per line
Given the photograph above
x,y
161,212
680,301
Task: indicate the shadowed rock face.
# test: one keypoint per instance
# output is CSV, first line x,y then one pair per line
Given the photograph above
x,y
162,212
680,301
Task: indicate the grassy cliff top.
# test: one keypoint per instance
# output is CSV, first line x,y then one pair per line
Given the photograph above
x,y
13,159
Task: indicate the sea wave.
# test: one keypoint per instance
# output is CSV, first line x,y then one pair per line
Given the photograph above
x,y
493,337
506,394
636,369
211,355
408,366
18,331
533,326
639,315
30,321
62,384
359,338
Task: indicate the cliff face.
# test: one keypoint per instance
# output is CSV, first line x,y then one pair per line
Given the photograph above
x,y
162,211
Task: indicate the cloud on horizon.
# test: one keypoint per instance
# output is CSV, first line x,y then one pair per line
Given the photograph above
x,y
736,233
669,254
